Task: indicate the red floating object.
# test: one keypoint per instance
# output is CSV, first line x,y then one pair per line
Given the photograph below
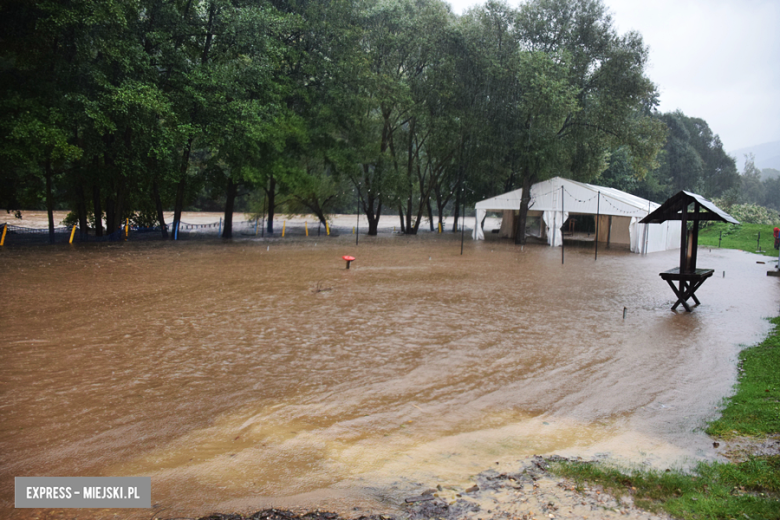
x,y
349,259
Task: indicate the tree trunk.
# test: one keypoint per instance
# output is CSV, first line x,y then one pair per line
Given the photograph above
x,y
178,204
409,167
271,194
401,217
98,210
110,215
49,202
120,205
373,218
230,199
430,213
457,210
520,231
81,209
158,206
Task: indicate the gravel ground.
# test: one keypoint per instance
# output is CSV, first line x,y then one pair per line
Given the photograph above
x,y
529,493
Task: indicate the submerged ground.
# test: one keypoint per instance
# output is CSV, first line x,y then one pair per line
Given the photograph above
x,y
263,373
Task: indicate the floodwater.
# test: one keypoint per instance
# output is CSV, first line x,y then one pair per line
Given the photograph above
x,y
259,373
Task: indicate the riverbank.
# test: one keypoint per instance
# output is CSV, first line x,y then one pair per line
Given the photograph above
x,y
747,433
748,486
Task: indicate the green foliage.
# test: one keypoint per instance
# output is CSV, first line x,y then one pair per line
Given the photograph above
x,y
115,107
692,159
749,213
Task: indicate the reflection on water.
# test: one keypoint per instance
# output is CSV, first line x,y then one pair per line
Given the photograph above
x,y
238,376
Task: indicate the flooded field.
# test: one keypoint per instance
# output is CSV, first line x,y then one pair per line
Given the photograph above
x,y
261,373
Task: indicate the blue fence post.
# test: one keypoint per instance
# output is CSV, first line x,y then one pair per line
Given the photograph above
x,y
219,233
176,230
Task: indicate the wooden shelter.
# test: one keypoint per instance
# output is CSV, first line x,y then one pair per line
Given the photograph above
x,y
688,276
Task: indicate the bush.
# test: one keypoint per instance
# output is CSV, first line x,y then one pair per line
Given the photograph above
x,y
749,213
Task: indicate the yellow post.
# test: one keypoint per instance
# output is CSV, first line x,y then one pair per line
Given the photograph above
x,y
72,232
306,225
353,230
284,224
327,228
439,227
127,226
2,240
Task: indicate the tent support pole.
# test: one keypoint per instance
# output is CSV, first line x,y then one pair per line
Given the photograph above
x,y
563,218
463,228
598,209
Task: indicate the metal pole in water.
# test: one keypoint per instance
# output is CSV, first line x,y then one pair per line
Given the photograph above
x,y
462,229
563,219
624,312
357,214
219,231
256,219
598,209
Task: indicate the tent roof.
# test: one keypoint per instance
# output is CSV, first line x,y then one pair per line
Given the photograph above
x,y
673,207
580,198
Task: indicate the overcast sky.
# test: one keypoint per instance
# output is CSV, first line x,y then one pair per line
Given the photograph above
x,y
714,59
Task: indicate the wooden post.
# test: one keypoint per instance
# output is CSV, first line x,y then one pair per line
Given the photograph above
x,y
694,245
609,231
684,242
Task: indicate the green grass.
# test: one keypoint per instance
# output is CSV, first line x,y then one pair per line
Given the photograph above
x,y
711,491
749,489
742,236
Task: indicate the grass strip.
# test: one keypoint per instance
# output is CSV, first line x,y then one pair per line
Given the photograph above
x,y
711,491
743,236
715,490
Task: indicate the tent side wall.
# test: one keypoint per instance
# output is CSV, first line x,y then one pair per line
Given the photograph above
x,y
548,197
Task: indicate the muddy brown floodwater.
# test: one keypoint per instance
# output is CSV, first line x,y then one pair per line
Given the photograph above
x,y
261,373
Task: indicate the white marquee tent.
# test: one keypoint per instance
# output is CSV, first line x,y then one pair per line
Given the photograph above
x,y
554,200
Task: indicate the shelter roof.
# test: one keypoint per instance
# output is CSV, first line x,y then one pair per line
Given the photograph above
x,y
673,207
580,198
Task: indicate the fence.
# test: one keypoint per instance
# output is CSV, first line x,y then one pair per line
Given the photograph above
x,y
13,234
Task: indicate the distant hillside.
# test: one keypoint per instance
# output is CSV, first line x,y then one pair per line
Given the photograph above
x,y
767,155
769,173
